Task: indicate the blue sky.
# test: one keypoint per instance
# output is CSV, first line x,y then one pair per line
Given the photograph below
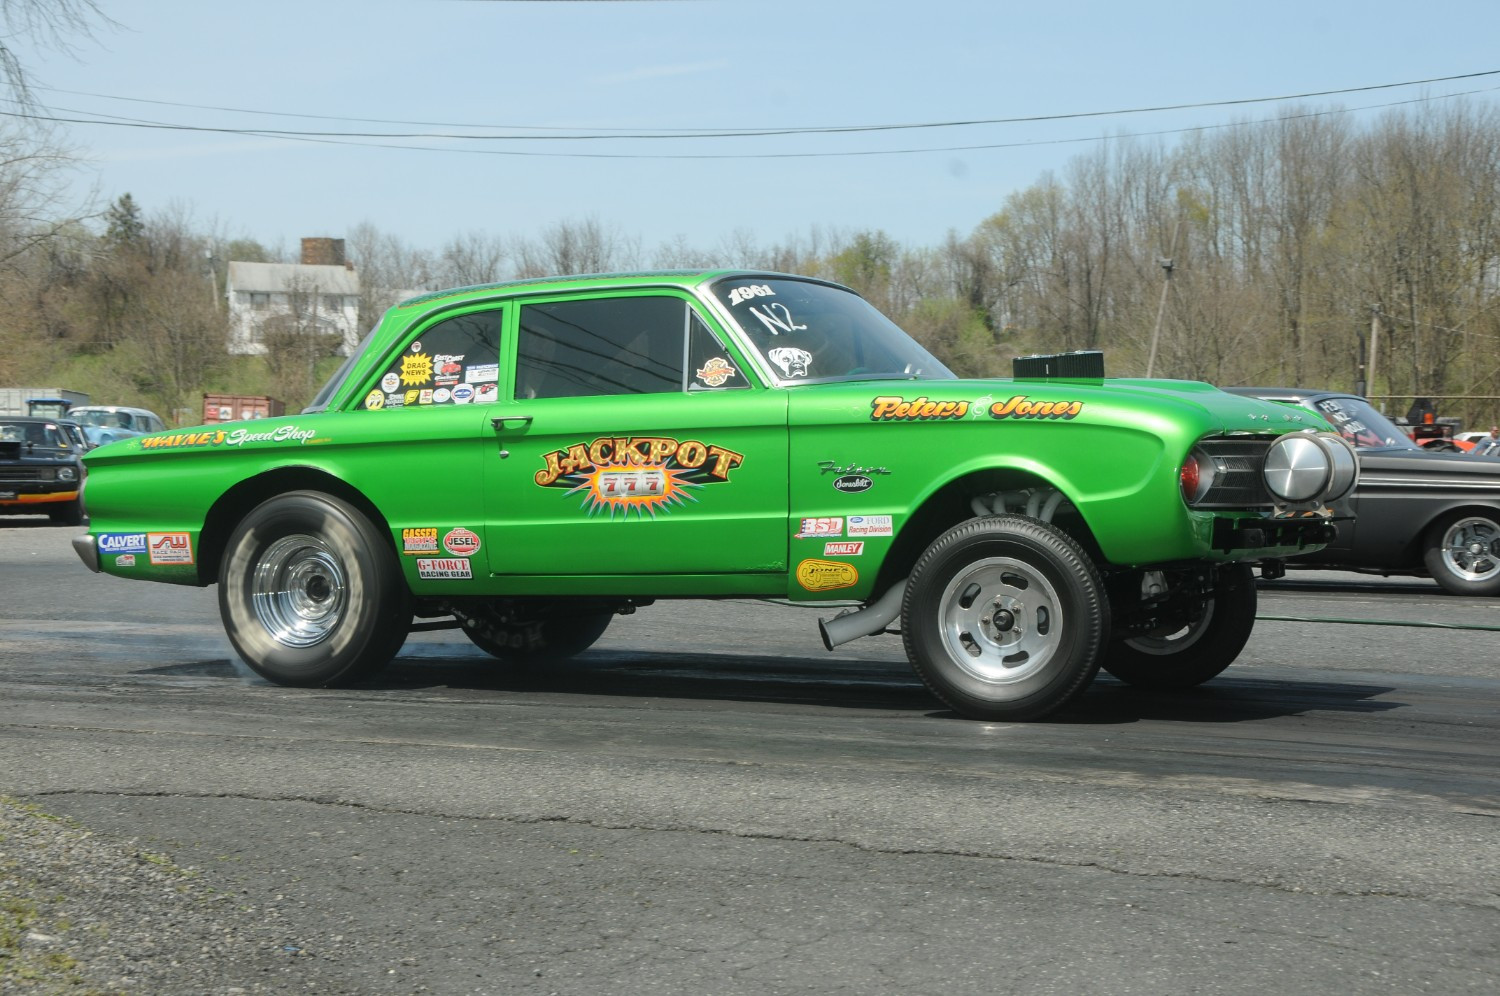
x,y
576,67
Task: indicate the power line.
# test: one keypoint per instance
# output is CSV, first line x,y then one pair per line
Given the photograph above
x,y
659,133
348,138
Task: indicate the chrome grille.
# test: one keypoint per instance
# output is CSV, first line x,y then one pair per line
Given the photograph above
x,y
11,475
1238,478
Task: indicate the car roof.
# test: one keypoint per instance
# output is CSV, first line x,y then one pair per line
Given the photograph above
x,y
642,278
112,408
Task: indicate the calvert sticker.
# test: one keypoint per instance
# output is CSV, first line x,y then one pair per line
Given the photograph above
x,y
169,548
444,569
871,525
640,473
826,575
461,542
420,539
110,543
844,548
1021,406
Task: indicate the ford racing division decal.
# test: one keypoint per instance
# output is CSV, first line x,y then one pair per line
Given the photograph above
x,y
643,473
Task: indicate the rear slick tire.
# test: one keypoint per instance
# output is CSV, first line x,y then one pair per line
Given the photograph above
x,y
311,593
1004,618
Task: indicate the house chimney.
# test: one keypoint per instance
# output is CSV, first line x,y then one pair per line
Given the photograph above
x,y
323,252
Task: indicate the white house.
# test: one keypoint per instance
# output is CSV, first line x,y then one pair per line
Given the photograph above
x,y
320,292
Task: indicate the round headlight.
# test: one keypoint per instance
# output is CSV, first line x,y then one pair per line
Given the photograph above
x,y
1307,466
1297,468
67,474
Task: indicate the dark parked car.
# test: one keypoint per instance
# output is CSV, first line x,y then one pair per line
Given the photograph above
x,y
1417,511
41,469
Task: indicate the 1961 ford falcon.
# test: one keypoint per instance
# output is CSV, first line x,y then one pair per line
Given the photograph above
x,y
525,460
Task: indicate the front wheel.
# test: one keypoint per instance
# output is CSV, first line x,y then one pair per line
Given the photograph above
x,y
67,513
548,633
1462,553
310,592
1004,617
1197,651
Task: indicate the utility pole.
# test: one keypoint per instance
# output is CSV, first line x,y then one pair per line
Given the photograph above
x,y
1161,309
1374,335
1166,264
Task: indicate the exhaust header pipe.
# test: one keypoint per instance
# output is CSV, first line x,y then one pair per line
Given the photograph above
x,y
851,624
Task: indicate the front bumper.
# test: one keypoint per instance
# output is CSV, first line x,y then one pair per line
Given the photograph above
x,y
87,550
1297,532
22,495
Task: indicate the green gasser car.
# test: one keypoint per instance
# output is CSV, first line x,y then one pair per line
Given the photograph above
x,y
525,460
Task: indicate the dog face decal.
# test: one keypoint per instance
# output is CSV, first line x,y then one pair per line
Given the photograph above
x,y
792,361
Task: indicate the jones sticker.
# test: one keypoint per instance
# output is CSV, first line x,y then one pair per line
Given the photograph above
x,y
825,575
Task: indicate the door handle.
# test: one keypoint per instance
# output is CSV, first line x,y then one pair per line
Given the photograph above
x,y
504,421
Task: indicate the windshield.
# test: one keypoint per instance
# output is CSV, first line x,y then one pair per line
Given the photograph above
x,y
320,400
36,433
1362,425
809,332
112,420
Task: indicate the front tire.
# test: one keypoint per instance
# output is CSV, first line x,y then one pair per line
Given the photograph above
x,y
67,513
1462,553
310,592
549,633
1004,618
1198,651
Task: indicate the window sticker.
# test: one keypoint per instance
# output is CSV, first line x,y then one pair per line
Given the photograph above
x,y
793,361
777,318
716,371
416,369
375,400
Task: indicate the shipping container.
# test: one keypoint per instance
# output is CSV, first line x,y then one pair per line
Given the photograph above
x,y
13,399
239,407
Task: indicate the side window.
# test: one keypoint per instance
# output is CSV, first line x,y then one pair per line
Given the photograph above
x,y
626,345
455,362
710,366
